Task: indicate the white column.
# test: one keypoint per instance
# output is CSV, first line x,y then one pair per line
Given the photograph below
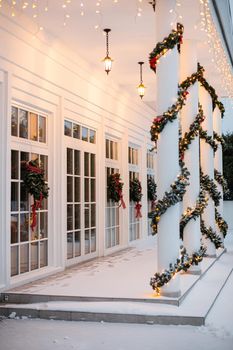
x,y
168,160
207,164
217,126
192,233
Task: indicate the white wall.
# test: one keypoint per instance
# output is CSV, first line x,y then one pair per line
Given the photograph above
x,y
60,84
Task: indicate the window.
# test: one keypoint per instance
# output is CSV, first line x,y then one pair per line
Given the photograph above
x,y
111,149
150,160
81,228
112,222
29,249
150,174
28,125
78,131
133,156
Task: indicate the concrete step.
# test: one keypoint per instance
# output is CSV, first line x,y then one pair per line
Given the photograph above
x,y
193,310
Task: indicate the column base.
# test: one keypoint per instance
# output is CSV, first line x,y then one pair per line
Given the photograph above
x,y
170,294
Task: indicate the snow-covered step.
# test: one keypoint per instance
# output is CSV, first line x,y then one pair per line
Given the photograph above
x,y
192,311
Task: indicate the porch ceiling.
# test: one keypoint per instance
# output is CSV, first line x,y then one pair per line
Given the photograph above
x,y
131,39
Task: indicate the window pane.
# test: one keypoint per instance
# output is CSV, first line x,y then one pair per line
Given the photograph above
x,y
116,151
93,240
77,162
77,242
86,164
77,189
23,123
86,190
14,121
34,256
42,129
14,164
87,216
24,227
70,245
33,127
107,148
108,238
87,242
77,216
69,160
92,190
111,149
14,196
43,253
84,134
69,217
93,165
35,158
44,165
68,128
92,136
24,258
14,229
43,225
14,260
69,189
129,155
76,131
24,198
24,157
93,215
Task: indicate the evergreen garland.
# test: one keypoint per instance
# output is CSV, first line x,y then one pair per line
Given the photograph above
x,y
193,213
222,224
208,185
34,184
168,43
211,235
115,188
219,138
151,189
208,139
181,264
174,196
221,181
190,135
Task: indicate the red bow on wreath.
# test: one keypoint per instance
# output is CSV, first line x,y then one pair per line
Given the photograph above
x,y
138,210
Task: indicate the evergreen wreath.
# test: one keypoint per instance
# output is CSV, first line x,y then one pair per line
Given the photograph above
x,y
135,194
208,185
181,264
222,224
174,196
35,185
193,213
151,189
115,188
211,235
168,43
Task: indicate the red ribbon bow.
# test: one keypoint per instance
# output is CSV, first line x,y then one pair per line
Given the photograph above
x,y
138,210
35,206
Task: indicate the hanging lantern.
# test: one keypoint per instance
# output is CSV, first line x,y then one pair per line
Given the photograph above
x,y
141,86
107,60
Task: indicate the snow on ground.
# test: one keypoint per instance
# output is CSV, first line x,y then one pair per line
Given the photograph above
x,y
19,334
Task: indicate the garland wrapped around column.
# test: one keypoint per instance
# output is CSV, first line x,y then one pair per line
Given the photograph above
x,y
221,181
135,194
168,43
222,224
211,235
208,185
115,188
151,191
182,264
35,185
193,213
174,196
208,139
219,138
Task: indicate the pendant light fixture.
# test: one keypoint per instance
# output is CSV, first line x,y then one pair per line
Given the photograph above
x,y
107,60
141,86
